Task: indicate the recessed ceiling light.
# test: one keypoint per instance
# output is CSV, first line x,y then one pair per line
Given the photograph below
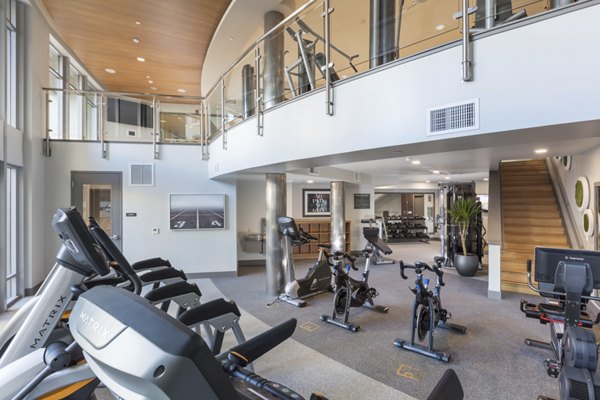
x,y
415,162
427,181
541,151
440,27
310,181
151,82
135,40
147,76
153,88
407,158
486,179
181,90
231,38
110,70
138,23
141,59
163,121
447,178
435,171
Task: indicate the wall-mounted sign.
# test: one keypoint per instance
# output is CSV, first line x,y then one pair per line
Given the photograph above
x,y
362,201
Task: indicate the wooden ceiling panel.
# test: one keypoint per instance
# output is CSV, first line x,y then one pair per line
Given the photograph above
x,y
174,37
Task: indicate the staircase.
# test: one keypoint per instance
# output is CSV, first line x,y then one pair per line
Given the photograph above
x,y
530,218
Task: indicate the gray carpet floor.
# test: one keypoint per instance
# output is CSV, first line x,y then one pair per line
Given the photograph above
x,y
491,359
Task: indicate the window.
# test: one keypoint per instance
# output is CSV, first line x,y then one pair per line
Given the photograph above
x,y
12,288
75,105
55,81
11,62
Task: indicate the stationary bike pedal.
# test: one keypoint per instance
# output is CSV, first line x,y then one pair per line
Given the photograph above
x,y
552,367
373,292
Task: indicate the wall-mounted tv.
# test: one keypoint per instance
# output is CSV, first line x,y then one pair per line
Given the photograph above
x,y
129,112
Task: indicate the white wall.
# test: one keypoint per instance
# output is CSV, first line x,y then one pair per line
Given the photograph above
x,y
251,207
36,265
180,170
588,165
515,80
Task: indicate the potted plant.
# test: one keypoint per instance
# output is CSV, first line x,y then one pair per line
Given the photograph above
x,y
462,212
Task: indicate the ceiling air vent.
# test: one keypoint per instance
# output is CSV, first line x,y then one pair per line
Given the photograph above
x,y
356,176
454,117
313,171
141,174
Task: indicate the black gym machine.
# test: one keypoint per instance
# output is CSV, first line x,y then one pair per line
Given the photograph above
x,y
427,312
567,278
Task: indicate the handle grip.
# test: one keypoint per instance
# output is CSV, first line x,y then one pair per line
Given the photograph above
x,y
402,266
528,266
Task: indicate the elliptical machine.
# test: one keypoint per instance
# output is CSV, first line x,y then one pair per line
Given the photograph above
x,y
318,277
350,292
428,312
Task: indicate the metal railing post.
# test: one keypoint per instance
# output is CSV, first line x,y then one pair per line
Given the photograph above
x,y
206,131
223,117
155,127
259,111
467,62
327,10
100,111
47,151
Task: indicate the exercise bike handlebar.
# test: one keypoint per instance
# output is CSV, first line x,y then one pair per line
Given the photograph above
x,y
341,255
418,266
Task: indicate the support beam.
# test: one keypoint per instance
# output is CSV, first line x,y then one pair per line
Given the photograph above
x,y
275,207
338,216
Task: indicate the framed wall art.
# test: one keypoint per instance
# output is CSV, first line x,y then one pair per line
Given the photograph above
x,y
316,202
196,211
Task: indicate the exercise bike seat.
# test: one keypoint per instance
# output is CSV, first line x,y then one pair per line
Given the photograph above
x,y
325,246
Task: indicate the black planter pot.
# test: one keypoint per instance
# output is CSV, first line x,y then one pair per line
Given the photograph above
x,y
466,265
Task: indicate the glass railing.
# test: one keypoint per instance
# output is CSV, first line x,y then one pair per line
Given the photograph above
x,y
119,117
363,35
289,61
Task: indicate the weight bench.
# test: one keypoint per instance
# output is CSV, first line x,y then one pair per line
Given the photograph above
x,y
377,245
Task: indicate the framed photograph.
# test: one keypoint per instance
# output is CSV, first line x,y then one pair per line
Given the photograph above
x,y
362,201
316,202
196,211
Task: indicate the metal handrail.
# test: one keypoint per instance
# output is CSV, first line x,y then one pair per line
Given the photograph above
x,y
105,93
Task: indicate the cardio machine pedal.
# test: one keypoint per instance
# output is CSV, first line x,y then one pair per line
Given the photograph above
x,y
552,367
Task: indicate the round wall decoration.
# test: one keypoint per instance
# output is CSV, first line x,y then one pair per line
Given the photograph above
x,y
588,223
582,193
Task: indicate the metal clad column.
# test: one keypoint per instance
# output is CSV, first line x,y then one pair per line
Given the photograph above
x,y
3,192
276,207
247,91
374,46
338,217
387,30
273,61
382,32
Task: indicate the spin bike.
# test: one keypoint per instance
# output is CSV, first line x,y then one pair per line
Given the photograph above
x,y
350,292
428,312
318,277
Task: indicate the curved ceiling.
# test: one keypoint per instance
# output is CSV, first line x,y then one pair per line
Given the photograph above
x,y
173,38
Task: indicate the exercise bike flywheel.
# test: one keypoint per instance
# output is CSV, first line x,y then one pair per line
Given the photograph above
x,y
422,322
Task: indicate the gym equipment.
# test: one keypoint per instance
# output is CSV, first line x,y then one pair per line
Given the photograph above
x,y
318,277
177,363
350,292
428,312
567,277
307,59
373,235
449,237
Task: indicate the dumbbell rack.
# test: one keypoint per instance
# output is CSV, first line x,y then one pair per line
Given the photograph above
x,y
403,229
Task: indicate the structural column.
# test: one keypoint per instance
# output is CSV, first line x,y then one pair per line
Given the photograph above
x,y
338,217
382,44
276,207
273,61
248,88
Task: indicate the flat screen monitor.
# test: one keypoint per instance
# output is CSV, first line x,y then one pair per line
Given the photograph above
x,y
288,227
547,259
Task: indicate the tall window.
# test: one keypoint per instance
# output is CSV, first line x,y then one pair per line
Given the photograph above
x,y
12,290
11,62
75,104
55,80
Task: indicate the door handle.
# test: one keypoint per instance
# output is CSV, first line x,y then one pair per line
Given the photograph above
x,y
115,237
